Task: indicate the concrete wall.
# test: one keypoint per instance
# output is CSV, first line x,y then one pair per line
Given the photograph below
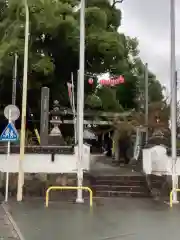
x,y
42,163
157,162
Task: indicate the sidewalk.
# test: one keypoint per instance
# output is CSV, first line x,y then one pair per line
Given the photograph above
x,y
6,229
112,219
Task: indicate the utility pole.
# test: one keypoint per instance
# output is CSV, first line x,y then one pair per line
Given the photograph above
x,y
14,83
24,105
81,102
173,100
146,99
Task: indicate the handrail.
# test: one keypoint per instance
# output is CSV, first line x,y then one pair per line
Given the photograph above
x,y
69,188
171,196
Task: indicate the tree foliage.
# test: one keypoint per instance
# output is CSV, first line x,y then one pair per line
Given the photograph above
x,y
54,52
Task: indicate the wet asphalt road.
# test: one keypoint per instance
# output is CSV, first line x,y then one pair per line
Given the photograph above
x,y
126,219
7,231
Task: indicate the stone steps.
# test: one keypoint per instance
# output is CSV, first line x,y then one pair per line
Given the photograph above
x,y
127,186
107,185
119,186
110,194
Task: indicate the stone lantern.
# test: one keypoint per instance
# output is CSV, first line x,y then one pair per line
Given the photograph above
x,y
55,136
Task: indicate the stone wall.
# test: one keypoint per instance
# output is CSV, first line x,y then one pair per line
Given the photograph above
x,y
35,185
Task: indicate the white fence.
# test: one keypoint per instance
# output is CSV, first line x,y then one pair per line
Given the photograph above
x,y
42,163
157,162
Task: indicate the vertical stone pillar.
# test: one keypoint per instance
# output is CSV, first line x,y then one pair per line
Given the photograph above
x,y
44,127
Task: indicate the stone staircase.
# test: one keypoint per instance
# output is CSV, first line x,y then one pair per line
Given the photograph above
x,y
108,186
109,180
104,185
119,186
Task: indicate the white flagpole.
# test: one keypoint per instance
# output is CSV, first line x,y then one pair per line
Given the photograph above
x,y
81,102
173,101
73,109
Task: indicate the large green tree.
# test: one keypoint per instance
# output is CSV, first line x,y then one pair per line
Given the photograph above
x,y
54,50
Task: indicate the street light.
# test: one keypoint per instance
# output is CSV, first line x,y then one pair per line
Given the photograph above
x,y
173,100
24,103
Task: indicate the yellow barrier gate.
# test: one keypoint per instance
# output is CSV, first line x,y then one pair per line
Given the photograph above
x,y
69,188
171,196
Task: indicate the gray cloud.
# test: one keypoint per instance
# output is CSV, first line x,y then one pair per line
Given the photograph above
x,y
148,20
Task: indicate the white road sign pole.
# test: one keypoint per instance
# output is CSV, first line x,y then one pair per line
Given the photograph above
x,y
7,163
11,112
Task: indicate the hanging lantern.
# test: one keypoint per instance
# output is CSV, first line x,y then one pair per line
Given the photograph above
x,y
121,79
111,81
102,82
90,81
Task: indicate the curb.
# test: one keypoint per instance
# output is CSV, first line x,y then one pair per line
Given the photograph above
x,y
10,218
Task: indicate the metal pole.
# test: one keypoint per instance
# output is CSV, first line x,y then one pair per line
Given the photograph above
x,y
173,100
74,109
24,104
7,171
146,100
77,109
176,77
14,80
81,101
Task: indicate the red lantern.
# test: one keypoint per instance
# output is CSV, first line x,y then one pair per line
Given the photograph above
x,y
102,82
111,81
90,81
121,79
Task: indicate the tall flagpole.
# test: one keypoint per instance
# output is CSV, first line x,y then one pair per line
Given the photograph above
x,y
173,100
146,101
81,102
24,104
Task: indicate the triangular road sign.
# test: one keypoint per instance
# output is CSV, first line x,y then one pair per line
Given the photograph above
x,y
9,134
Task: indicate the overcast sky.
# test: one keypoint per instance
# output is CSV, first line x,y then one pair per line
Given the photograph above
x,y
148,20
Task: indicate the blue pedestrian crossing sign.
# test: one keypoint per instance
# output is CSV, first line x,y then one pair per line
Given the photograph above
x,y
9,134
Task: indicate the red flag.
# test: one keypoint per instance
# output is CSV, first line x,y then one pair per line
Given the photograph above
x,y
69,85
